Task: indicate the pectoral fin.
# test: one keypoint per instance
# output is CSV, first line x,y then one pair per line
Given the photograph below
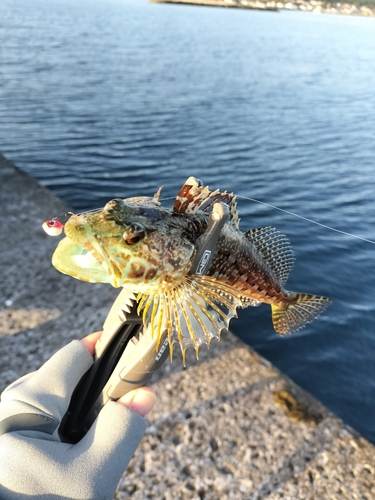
x,y
193,313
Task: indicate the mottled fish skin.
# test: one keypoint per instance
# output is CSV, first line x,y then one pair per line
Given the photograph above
x,y
139,244
256,264
149,249
238,263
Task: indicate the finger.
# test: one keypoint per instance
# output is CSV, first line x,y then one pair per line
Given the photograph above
x,y
141,400
105,451
90,341
50,388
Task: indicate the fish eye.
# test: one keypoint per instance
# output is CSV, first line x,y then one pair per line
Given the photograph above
x,y
134,234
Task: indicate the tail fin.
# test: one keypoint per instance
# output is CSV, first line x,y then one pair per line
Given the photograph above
x,y
297,314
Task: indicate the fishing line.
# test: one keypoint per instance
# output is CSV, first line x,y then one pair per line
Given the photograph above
x,y
307,219
299,217
266,205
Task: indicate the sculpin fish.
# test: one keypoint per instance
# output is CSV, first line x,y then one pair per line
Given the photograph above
x,y
138,244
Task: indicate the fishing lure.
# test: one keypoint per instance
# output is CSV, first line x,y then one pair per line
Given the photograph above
x,y
53,227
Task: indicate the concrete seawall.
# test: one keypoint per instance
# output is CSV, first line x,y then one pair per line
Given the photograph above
x,y
230,426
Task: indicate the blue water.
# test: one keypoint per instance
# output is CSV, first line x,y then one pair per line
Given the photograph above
x,y
110,98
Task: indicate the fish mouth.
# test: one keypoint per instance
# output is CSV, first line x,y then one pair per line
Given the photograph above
x,y
73,259
79,255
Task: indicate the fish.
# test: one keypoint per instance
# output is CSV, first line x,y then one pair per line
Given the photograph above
x,y
149,249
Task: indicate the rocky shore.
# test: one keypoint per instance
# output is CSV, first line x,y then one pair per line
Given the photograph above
x,y
316,6
230,426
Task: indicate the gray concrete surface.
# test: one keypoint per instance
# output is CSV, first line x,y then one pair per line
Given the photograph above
x,y
230,426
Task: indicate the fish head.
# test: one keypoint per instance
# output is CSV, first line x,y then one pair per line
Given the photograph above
x,y
132,242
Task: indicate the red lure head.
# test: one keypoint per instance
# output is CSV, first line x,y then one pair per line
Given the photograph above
x,y
53,227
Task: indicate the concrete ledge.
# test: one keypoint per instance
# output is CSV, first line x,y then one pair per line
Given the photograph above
x,y
230,426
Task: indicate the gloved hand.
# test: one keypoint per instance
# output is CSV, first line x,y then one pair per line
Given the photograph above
x,y
34,463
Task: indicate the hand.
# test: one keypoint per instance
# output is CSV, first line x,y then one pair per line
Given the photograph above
x,y
141,400
35,463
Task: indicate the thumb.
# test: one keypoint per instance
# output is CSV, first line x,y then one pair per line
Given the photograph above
x,y
140,400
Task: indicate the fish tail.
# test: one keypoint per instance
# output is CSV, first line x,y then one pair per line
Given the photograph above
x,y
292,316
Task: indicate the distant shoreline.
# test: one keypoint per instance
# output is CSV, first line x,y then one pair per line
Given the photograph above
x,y
316,6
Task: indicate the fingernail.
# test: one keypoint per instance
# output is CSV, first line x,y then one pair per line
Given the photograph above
x,y
140,400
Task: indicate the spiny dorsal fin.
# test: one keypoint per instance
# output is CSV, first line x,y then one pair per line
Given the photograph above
x,y
144,200
193,197
275,248
193,313
158,193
